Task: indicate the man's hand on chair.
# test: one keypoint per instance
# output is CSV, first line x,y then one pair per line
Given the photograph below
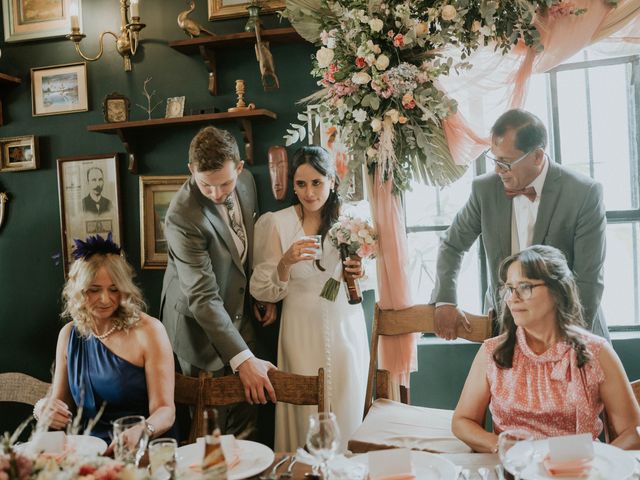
x,y
253,374
446,321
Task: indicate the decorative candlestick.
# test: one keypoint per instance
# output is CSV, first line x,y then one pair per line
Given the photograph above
x,y
240,104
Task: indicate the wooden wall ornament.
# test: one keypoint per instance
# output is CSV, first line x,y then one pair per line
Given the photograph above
x,y
278,171
4,198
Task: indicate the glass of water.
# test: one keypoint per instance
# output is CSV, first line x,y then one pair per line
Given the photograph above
x,y
323,438
162,458
131,437
515,448
318,249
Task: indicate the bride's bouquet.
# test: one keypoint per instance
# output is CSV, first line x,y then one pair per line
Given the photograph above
x,y
354,238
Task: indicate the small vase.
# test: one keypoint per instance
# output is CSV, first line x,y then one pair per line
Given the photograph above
x,y
351,284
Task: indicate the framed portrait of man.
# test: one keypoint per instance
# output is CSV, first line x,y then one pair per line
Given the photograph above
x,y
89,195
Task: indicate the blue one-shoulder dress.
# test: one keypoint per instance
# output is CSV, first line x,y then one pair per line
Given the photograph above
x,y
97,376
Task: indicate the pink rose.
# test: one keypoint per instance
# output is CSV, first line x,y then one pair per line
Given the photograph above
x,y
398,40
360,62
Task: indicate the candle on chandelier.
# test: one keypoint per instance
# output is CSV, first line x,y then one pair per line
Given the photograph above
x,y
134,10
73,11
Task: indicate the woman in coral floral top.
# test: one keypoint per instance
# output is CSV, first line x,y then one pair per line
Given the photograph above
x,y
544,374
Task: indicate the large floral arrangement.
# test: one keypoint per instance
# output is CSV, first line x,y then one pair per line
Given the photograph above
x,y
378,64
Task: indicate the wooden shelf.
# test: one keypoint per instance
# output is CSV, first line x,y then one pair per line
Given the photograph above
x,y
6,82
207,46
126,130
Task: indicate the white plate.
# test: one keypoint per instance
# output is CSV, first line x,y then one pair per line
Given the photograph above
x,y
254,458
426,466
608,463
58,442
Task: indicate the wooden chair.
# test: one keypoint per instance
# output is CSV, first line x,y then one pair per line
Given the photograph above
x,y
22,388
391,424
205,391
610,433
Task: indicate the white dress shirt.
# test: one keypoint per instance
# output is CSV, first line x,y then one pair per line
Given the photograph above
x,y
525,212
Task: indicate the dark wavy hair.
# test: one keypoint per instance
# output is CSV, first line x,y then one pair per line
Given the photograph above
x,y
548,264
318,158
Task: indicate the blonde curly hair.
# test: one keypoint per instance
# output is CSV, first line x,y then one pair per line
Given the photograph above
x,y
81,275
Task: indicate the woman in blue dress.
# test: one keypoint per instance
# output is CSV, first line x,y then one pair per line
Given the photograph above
x,y
111,353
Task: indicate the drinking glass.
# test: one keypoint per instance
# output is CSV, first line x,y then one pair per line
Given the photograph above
x,y
318,250
131,437
515,448
162,458
323,438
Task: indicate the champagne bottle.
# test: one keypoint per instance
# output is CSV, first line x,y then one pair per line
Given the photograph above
x,y
214,465
354,296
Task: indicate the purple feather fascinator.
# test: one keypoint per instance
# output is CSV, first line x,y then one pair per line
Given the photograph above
x,y
93,245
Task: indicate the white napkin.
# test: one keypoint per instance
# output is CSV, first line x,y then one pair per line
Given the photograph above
x,y
341,467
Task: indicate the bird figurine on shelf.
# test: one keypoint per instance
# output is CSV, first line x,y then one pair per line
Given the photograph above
x,y
190,26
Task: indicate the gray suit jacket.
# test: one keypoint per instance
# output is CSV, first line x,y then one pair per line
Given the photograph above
x,y
571,217
205,304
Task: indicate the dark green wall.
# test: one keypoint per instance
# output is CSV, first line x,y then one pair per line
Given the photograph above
x,y
30,280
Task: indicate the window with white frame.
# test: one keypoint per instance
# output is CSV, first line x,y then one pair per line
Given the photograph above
x,y
591,107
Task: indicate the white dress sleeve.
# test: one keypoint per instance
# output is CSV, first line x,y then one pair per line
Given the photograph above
x,y
265,286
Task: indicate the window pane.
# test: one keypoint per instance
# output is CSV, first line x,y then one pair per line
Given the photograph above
x,y
620,298
595,137
423,252
427,205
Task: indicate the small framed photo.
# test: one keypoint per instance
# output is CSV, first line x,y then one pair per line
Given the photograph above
x,y
89,194
59,89
115,108
175,107
35,19
19,153
219,9
156,194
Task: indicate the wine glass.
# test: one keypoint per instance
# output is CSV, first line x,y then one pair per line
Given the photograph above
x,y
323,438
162,458
515,448
131,437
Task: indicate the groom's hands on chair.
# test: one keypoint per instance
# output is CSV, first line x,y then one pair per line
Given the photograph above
x,y
446,320
254,376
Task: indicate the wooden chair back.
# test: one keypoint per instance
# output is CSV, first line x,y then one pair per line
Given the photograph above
x,y
22,388
609,430
415,319
206,391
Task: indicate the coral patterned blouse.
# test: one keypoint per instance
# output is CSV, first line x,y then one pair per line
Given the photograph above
x,y
546,394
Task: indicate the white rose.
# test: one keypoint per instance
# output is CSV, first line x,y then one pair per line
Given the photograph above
x,y
331,43
393,114
370,59
359,115
382,62
376,125
361,78
375,24
448,13
421,29
324,57
475,26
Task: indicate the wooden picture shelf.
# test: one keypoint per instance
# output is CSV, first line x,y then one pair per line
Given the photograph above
x,y
6,82
207,46
127,130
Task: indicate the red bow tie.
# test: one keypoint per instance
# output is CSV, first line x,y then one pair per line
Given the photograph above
x,y
528,192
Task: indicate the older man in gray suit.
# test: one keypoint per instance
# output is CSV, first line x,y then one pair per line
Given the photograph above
x,y
205,306
527,200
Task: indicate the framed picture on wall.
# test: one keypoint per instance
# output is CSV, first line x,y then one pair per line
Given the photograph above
x,y
156,193
219,9
18,153
89,194
34,19
327,136
59,89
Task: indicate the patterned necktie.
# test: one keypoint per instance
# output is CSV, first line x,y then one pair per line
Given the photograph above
x,y
528,192
233,222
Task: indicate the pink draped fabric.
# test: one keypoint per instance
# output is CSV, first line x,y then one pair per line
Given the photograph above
x,y
396,354
562,37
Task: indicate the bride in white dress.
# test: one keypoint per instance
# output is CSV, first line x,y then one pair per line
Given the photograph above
x,y
314,332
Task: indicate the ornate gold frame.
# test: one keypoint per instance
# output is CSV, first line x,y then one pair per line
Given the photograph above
x,y
218,10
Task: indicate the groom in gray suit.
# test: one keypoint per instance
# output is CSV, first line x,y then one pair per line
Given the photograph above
x,y
527,200
205,306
